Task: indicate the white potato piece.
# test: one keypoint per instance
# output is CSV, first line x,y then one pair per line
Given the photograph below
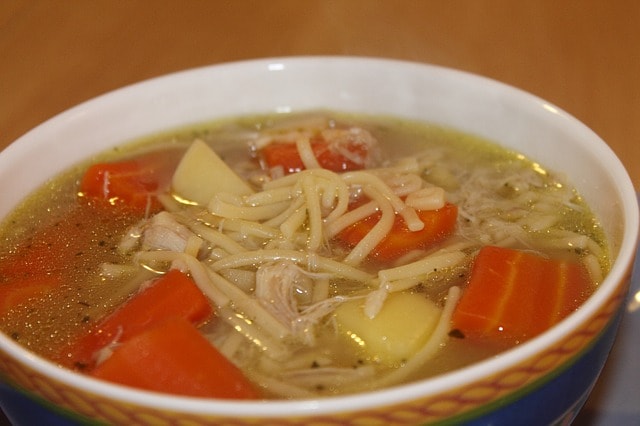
x,y
400,329
202,173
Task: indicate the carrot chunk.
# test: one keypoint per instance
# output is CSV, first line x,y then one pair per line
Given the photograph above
x,y
173,357
20,293
30,273
438,224
173,294
41,261
132,183
285,155
517,295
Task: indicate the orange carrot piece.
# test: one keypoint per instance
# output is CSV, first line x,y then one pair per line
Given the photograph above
x,y
438,224
15,294
285,155
39,263
517,295
173,294
173,357
50,249
37,257
33,270
131,183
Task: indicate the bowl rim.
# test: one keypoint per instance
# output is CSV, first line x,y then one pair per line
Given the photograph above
x,y
388,396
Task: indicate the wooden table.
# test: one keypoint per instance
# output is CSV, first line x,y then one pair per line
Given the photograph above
x,y
582,55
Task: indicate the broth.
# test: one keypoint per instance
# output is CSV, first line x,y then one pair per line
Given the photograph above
x,y
297,341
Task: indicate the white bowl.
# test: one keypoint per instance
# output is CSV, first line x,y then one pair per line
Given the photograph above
x,y
498,389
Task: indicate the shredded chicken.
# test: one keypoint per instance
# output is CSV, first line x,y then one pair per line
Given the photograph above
x,y
163,232
284,289
341,139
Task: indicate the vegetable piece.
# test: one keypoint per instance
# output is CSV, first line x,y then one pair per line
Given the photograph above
x,y
438,225
517,295
132,183
402,326
19,293
37,265
286,155
38,257
173,357
173,294
49,250
201,174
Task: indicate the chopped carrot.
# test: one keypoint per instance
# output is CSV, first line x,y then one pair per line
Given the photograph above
x,y
20,293
517,295
285,155
46,251
41,261
438,224
40,255
173,357
131,183
173,294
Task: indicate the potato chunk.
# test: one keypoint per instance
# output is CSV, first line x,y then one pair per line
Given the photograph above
x,y
202,173
400,329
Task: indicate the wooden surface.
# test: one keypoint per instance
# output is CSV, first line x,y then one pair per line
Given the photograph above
x,y
582,55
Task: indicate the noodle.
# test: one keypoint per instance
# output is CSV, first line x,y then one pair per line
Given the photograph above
x,y
351,217
314,214
271,196
306,154
295,220
395,279
278,220
222,207
315,263
216,238
377,233
408,214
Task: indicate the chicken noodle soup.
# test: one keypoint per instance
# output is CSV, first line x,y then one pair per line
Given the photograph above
x,y
295,256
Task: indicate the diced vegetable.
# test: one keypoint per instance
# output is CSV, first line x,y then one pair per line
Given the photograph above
x,y
36,266
438,225
19,293
514,294
41,256
173,357
402,326
286,155
133,183
47,251
173,294
201,174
